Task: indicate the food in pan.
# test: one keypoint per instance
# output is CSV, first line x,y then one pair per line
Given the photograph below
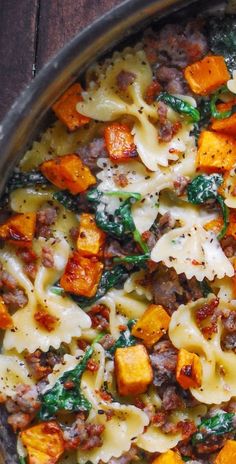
x,y
118,258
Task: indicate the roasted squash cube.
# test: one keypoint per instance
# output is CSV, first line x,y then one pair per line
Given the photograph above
x,y
216,152
216,225
6,321
44,443
120,143
19,229
65,108
228,453
207,75
68,172
152,325
170,457
188,369
133,370
82,275
90,239
225,125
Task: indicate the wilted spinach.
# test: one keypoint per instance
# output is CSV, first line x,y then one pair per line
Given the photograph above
x,y
125,339
222,38
219,424
138,260
180,106
26,179
204,188
60,398
121,223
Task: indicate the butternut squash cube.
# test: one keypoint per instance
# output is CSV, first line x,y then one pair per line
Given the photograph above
x,y
152,325
170,457
133,370
90,239
188,369
120,143
6,321
216,225
65,108
228,453
68,172
19,229
82,275
207,75
44,443
216,152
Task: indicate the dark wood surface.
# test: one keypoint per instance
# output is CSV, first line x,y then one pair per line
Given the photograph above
x,y
32,31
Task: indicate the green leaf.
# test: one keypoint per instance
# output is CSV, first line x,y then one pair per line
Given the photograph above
x,y
133,259
121,223
180,106
22,460
57,290
59,398
203,188
220,424
125,339
26,179
222,38
68,200
216,113
205,288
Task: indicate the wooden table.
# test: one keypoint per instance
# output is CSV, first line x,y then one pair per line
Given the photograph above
x,y
32,31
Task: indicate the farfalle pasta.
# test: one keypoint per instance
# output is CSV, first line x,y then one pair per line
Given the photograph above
x,y
118,262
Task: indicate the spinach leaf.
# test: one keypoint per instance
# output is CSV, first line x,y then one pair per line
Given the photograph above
x,y
216,113
61,398
68,200
222,38
57,290
180,106
219,424
205,116
122,222
110,278
133,259
205,288
203,188
22,460
125,339
26,179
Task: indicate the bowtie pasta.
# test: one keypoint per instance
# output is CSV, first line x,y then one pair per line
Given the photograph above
x,y
118,262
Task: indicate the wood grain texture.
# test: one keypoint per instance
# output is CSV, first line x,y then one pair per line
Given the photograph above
x,y
60,20
32,31
18,19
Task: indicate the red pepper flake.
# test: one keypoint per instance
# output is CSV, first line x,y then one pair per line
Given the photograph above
x,y
152,91
46,320
104,395
195,263
139,403
92,365
69,384
122,328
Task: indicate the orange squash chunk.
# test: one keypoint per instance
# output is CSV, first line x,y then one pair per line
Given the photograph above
x,y
44,443
65,108
6,321
216,225
216,152
133,370
68,172
19,229
207,75
170,457
227,125
188,369
91,239
120,143
152,325
228,453
82,275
